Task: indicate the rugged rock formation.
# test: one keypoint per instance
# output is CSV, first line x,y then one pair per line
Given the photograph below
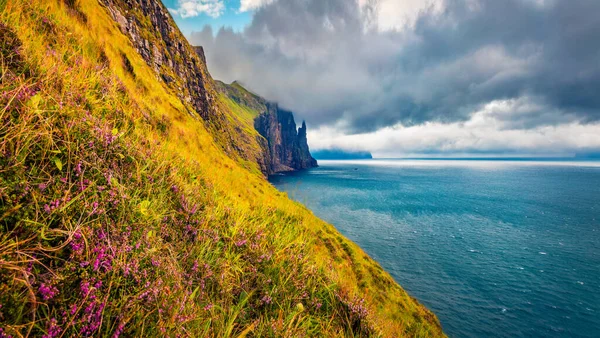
x,y
182,68
288,147
165,50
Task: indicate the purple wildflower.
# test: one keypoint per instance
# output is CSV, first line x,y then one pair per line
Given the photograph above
x,y
47,291
267,299
78,170
92,317
4,335
53,329
77,243
119,330
85,288
103,259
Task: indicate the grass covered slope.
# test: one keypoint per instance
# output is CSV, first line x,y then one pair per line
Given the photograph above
x,y
122,214
244,103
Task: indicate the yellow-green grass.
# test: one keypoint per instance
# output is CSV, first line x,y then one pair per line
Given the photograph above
x,y
245,113
121,213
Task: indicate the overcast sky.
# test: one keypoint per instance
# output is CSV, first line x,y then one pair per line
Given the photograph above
x,y
416,76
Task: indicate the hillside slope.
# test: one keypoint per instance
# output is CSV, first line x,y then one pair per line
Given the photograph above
x,y
132,202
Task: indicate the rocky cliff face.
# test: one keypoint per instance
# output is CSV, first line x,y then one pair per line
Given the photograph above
x,y
183,68
165,50
288,147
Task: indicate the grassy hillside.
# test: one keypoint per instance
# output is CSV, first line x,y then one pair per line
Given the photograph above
x,y
123,214
246,104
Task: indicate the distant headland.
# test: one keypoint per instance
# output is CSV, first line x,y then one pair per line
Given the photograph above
x,y
339,154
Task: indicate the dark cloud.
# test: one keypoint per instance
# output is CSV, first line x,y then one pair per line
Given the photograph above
x,y
327,61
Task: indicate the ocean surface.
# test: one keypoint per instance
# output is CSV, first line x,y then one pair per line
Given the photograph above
x,y
495,248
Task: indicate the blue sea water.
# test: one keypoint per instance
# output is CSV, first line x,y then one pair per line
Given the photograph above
x,y
494,248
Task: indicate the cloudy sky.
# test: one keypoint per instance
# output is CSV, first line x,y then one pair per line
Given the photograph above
x,y
406,77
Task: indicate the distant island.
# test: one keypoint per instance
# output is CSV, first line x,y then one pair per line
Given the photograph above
x,y
592,155
339,154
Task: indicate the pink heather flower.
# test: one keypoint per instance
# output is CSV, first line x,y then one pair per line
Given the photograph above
x,y
78,169
103,260
42,186
267,299
241,243
4,335
47,291
53,329
92,317
77,243
208,307
85,288
118,331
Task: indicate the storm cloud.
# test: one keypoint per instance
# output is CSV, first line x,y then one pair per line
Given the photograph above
x,y
363,66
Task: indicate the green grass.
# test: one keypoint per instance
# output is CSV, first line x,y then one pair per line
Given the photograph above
x,y
122,214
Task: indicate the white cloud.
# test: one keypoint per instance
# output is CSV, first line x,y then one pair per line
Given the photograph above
x,y
192,8
399,15
490,130
248,5
445,75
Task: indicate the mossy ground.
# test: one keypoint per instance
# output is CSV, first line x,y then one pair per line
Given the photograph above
x,y
121,214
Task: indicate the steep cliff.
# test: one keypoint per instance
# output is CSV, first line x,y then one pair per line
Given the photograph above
x,y
287,147
182,67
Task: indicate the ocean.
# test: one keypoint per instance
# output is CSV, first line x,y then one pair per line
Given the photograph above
x,y
496,248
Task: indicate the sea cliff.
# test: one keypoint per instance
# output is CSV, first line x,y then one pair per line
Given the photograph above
x,y
286,146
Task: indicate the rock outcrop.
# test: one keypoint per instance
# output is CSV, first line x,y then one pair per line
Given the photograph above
x,y
183,68
288,147
165,51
